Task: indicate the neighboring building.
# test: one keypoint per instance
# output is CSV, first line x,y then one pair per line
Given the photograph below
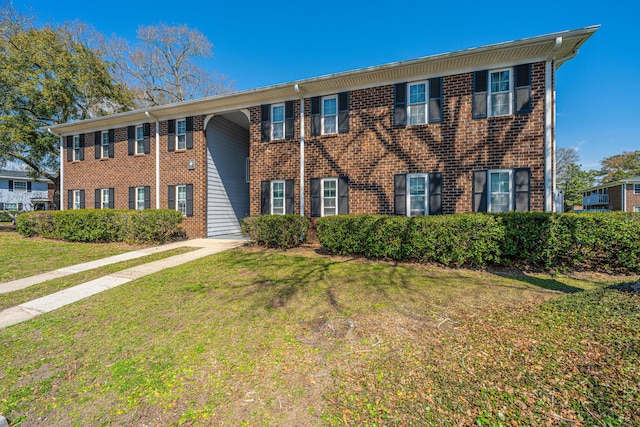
x,y
468,131
20,192
623,195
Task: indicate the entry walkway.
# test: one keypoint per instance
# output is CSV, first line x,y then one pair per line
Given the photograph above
x,y
31,309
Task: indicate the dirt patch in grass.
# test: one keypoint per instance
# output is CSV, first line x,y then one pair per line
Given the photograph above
x,y
252,337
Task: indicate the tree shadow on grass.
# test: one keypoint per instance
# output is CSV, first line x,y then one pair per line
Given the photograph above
x,y
548,283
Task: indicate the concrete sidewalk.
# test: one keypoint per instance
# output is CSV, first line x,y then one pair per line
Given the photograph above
x,y
31,309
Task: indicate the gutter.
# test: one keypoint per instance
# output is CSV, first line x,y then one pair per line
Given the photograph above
x,y
296,88
61,175
549,128
148,114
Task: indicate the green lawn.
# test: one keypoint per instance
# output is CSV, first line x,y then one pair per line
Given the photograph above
x,y
22,257
262,338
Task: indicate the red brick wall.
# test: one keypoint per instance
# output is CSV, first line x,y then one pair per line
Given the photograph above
x,y
632,199
374,150
124,171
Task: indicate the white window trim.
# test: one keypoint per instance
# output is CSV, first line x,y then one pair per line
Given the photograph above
x,y
138,201
76,147
426,102
177,207
426,191
137,146
322,198
284,196
489,172
76,200
636,208
104,146
273,107
11,204
22,190
178,135
636,188
104,192
489,93
322,116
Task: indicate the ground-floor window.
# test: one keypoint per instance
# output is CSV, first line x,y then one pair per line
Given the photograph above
x,y
636,208
417,202
500,194
181,199
329,196
10,206
140,198
76,200
277,197
501,190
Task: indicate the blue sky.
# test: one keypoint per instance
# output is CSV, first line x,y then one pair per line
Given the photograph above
x,y
264,43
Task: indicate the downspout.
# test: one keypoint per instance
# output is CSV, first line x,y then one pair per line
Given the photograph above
x,y
61,176
148,114
297,90
549,131
624,197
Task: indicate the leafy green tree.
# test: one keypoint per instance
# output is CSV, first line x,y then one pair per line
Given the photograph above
x,y
620,166
574,182
48,76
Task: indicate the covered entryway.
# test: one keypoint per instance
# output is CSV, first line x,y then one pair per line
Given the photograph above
x,y
227,173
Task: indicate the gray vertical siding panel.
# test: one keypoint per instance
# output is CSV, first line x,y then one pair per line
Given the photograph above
x,y
227,190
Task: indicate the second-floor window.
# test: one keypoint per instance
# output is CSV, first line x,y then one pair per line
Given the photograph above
x,y
139,140
277,121
500,101
636,188
181,134
76,147
19,186
329,114
417,103
104,144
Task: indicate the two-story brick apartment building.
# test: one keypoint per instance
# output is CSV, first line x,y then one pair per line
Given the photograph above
x,y
622,195
467,131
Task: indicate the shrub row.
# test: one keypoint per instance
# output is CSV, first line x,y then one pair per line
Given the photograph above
x,y
594,241
276,231
103,225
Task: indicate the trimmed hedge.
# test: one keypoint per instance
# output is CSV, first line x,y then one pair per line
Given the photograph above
x,y
276,231
593,241
103,225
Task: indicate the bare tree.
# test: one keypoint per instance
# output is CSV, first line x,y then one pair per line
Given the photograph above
x,y
161,67
565,157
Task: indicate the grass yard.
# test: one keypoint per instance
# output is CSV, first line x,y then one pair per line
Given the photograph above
x,y
21,257
257,338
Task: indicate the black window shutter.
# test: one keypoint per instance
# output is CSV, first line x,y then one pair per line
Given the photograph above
x,y
265,198
112,141
265,122
189,199
28,186
171,199
480,191
480,81
522,84
522,178
189,137
171,135
111,197
97,144
147,144
132,197
82,146
400,194
96,203
69,148
315,197
147,197
315,116
289,119
289,196
10,185
343,195
1,206
81,199
70,199
435,100
343,112
131,137
400,104
20,206
435,193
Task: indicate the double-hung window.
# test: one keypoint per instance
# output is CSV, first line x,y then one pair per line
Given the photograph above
x,y
139,140
140,198
76,147
19,186
500,191
76,199
104,198
181,134
104,145
181,199
500,92
10,206
329,114
417,103
277,121
329,199
417,195
636,188
277,198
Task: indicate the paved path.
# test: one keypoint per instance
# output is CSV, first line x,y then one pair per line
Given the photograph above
x,y
31,309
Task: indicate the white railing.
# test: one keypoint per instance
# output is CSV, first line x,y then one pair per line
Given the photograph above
x,y
595,199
